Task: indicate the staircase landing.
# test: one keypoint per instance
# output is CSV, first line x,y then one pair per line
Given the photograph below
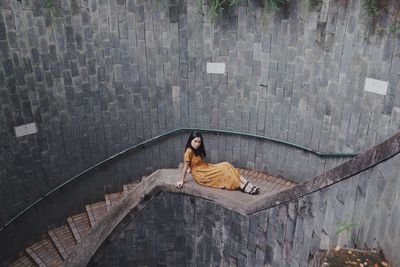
x,y
269,185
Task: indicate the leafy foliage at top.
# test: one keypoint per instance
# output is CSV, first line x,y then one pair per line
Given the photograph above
x,y
273,5
215,7
51,5
374,8
312,4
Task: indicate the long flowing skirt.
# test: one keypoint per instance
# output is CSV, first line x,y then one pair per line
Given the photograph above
x,y
220,175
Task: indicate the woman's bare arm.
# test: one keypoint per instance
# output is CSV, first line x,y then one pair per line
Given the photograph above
x,y
184,171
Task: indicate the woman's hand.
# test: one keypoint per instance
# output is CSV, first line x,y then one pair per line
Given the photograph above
x,y
179,184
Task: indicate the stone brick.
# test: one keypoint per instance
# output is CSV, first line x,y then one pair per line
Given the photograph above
x,y
52,53
12,39
390,187
45,61
8,67
71,51
388,104
4,49
3,32
35,56
56,70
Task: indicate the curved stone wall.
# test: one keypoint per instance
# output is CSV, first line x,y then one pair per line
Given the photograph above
x,y
102,75
153,237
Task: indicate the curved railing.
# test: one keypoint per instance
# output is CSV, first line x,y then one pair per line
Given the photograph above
x,y
169,133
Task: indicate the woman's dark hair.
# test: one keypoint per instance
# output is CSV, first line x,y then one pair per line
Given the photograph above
x,y
201,151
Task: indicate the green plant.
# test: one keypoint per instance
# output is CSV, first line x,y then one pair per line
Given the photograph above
x,y
50,5
374,8
345,226
312,4
215,7
394,27
273,5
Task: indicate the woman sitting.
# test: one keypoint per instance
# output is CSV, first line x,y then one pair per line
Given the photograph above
x,y
221,175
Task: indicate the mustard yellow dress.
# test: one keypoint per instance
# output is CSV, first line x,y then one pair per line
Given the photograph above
x,y
220,175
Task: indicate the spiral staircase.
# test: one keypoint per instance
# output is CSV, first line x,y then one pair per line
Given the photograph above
x,y
57,244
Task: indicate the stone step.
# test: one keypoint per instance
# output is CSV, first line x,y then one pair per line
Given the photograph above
x,y
113,199
63,239
96,212
23,261
44,253
80,225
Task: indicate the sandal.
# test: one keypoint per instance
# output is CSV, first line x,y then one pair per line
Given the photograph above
x,y
254,190
244,187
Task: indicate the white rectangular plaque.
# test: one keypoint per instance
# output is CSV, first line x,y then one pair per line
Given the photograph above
x,y
376,86
217,68
25,129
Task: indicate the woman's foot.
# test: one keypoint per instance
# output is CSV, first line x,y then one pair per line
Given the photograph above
x,y
249,188
254,190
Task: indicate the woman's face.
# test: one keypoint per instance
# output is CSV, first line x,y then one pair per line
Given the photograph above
x,y
196,142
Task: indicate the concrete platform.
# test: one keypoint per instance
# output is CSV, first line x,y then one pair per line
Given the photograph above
x,y
237,200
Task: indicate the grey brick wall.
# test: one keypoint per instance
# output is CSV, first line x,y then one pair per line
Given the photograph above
x,y
106,74
152,238
179,230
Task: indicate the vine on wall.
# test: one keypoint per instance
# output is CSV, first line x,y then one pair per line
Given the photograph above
x,y
312,4
51,5
216,7
373,8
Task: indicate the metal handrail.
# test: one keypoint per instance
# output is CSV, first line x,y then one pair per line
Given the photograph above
x,y
178,130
